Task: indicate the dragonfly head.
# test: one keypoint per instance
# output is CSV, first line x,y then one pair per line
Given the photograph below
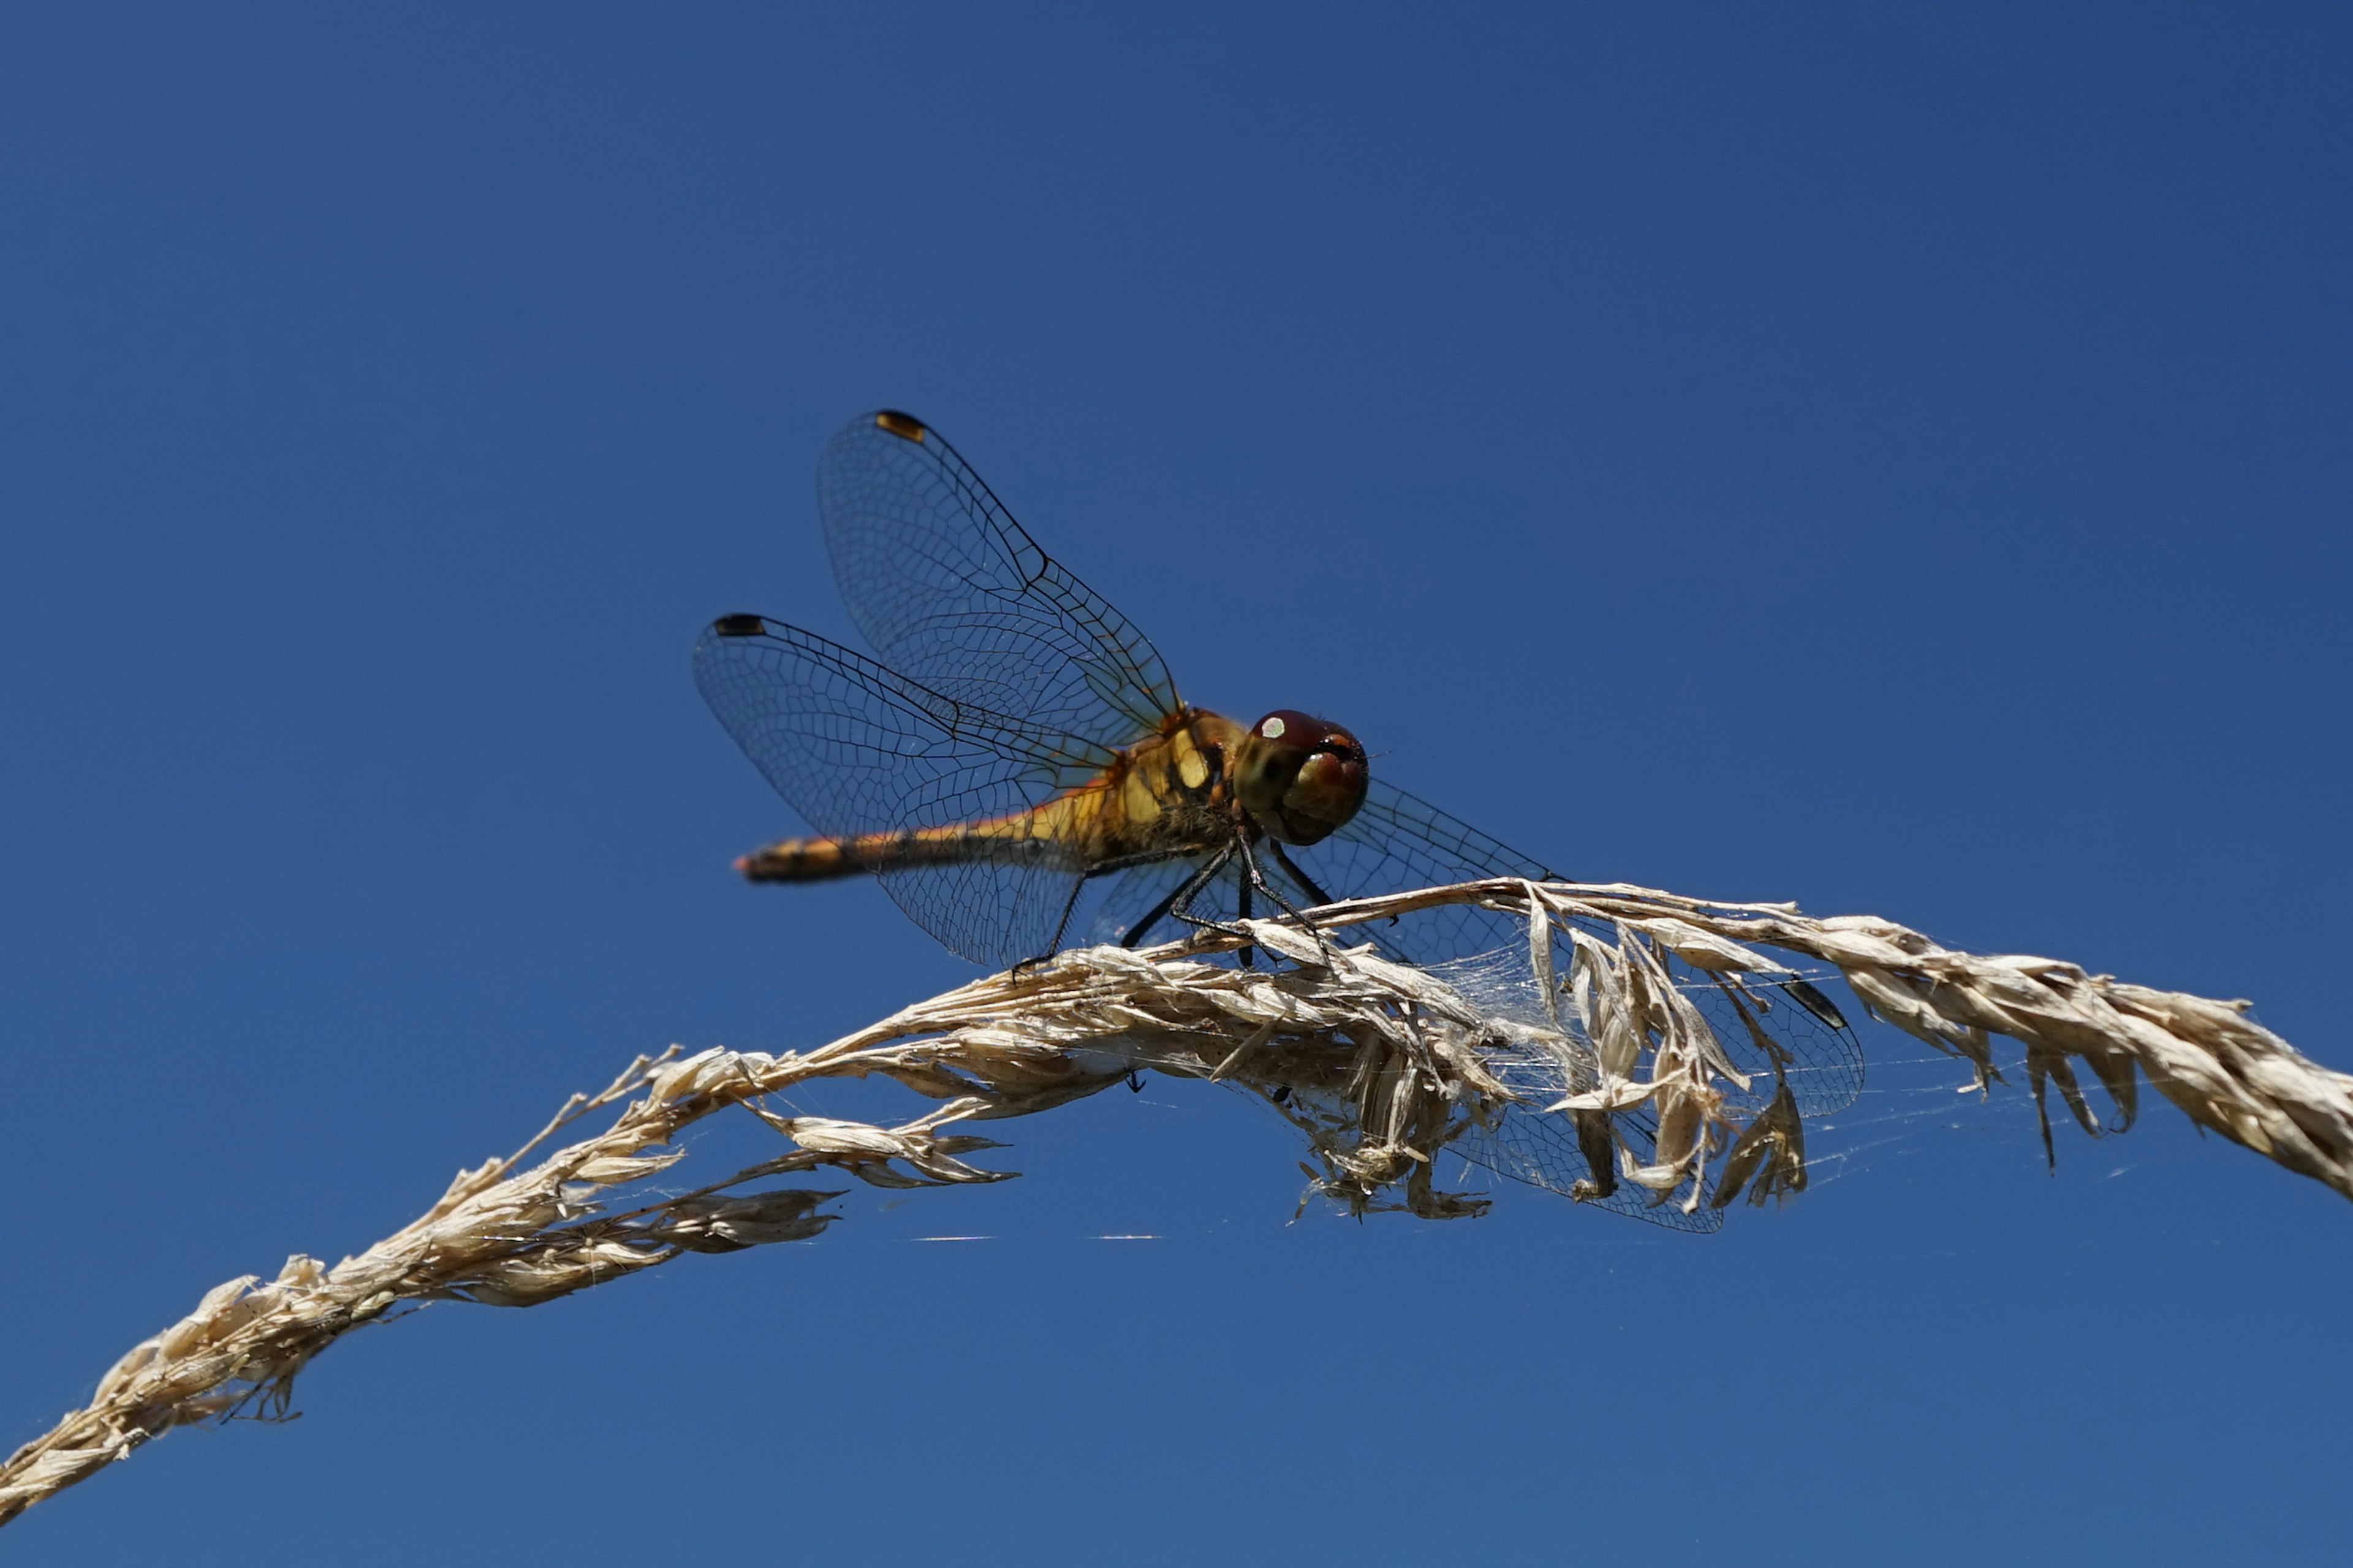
x,y
1300,777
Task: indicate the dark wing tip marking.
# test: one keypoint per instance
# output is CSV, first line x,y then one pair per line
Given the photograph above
x,y
738,627
906,426
1814,1002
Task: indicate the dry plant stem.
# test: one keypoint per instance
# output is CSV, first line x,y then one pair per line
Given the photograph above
x,y
2223,1070
1395,1048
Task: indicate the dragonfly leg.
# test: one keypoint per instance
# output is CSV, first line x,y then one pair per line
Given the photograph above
x,y
1248,956
1183,892
1254,882
1298,876
1258,877
1179,905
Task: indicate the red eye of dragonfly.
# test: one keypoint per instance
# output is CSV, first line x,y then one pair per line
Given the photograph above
x,y
1301,777
1018,744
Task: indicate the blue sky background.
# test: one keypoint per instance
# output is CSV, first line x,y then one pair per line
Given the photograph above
x,y
1895,460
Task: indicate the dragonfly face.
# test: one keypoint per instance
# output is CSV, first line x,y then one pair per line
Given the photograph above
x,y
1019,743
1301,777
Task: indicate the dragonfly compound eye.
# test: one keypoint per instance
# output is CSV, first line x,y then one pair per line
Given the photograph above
x,y
1299,775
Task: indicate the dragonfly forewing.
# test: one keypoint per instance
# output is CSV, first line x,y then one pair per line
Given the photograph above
x,y
952,593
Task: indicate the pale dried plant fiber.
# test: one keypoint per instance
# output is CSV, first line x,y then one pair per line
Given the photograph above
x,y
1378,1063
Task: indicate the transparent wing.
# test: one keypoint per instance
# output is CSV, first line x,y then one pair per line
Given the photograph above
x,y
953,595
1542,1151
1398,842
857,750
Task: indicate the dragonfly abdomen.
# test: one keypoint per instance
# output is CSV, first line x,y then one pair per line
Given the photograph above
x,y
1025,839
802,860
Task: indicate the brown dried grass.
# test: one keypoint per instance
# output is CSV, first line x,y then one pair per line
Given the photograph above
x,y
1379,1065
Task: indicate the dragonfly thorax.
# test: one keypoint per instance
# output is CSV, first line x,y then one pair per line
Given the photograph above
x,y
1300,777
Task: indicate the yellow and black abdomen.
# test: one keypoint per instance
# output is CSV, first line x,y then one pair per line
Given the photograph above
x,y
804,860
1058,833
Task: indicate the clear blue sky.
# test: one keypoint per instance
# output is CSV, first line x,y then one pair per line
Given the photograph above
x,y
1889,459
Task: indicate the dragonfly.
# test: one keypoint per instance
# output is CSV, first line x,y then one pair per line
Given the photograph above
x,y
1019,742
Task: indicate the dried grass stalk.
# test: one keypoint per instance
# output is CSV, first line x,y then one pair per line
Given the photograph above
x,y
1379,1065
